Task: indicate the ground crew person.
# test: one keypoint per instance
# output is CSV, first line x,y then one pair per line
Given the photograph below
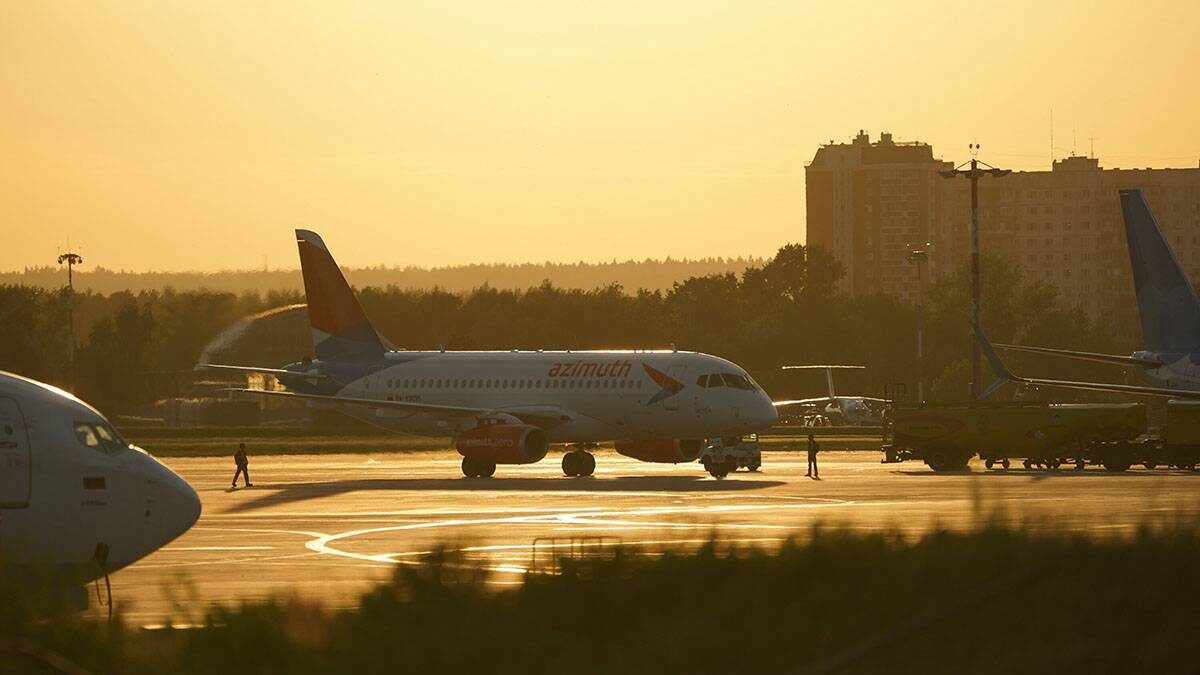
x,y
243,464
813,449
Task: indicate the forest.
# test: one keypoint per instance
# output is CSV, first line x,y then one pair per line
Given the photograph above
x,y
785,310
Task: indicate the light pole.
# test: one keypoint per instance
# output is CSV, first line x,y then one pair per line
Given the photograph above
x,y
71,259
974,174
917,257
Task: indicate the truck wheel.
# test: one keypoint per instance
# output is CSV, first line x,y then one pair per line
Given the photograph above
x,y
1028,465
988,463
753,467
1005,463
1117,464
941,461
1150,464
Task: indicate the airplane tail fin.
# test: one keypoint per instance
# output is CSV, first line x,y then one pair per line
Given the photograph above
x,y
1167,303
1003,375
340,328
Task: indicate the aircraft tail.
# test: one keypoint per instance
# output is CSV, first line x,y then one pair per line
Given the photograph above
x,y
340,328
1167,303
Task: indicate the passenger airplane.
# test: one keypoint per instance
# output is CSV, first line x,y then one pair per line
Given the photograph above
x,y
506,407
848,410
77,501
1169,312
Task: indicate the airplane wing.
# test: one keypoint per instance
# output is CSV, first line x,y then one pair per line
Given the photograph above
x,y
1115,359
544,418
801,401
824,399
256,369
821,367
1005,376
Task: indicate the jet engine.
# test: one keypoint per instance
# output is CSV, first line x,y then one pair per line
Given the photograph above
x,y
503,444
662,450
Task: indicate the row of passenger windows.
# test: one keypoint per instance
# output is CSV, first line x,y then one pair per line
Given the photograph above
x,y
492,383
99,437
725,380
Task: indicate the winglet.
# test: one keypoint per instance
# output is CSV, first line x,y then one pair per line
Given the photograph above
x,y
1003,376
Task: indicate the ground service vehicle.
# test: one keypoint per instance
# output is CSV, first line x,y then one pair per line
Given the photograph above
x,y
1178,443
946,436
723,456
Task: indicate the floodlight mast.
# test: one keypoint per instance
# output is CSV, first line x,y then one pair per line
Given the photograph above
x,y
918,256
71,259
974,173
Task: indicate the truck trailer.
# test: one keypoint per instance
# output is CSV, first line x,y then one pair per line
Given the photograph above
x,y
947,436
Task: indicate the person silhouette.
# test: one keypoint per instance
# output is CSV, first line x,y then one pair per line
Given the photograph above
x,y
813,449
243,466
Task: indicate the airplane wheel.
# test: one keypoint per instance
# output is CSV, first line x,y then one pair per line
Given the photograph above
x,y
578,463
471,467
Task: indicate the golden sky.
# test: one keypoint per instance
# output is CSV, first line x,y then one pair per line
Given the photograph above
x,y
197,135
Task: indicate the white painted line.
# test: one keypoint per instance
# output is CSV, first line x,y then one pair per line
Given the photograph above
x,y
218,548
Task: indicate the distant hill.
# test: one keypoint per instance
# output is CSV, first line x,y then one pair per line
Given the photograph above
x,y
631,274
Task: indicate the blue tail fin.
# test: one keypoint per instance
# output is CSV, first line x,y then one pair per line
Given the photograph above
x,y
1167,302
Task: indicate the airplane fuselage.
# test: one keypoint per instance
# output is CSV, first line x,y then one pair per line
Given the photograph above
x,y
69,484
592,396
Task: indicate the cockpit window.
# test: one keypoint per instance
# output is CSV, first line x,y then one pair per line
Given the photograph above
x,y
726,380
87,435
737,381
99,437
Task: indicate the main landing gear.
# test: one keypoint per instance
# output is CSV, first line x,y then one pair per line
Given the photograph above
x,y
476,467
578,463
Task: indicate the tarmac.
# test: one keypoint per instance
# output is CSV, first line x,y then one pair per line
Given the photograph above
x,y
327,528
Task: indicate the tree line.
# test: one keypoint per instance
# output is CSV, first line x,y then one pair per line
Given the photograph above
x,y
786,310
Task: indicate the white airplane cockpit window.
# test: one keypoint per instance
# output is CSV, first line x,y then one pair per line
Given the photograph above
x,y
737,381
86,435
99,437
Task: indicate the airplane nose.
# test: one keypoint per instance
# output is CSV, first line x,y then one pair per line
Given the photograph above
x,y
182,505
767,414
176,506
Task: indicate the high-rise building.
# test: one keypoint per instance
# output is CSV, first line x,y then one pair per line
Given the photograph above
x,y
868,201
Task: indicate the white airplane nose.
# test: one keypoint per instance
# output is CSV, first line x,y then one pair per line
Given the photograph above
x,y
765,414
181,505
174,506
